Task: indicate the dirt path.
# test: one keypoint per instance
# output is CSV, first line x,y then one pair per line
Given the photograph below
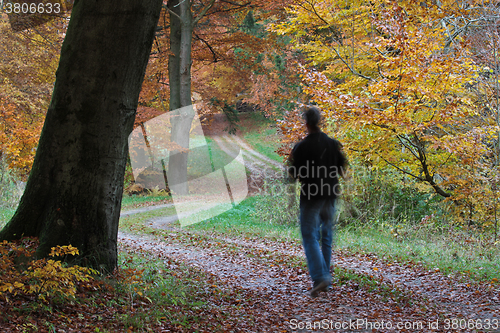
x,y
249,152
270,275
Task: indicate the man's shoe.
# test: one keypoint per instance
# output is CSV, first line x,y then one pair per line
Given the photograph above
x,y
322,286
327,288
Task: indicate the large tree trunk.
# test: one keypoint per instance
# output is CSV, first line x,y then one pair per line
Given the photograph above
x,y
74,191
181,32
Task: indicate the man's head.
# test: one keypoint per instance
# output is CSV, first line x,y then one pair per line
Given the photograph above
x,y
312,117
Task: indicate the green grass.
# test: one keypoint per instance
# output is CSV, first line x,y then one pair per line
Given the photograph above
x,y
433,249
179,296
6,214
10,193
218,157
134,201
265,141
163,289
243,220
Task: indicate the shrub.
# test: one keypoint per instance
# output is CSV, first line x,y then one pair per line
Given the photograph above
x,y
278,202
44,278
369,196
373,196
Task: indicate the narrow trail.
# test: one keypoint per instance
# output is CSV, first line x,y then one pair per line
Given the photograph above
x,y
250,152
253,165
269,273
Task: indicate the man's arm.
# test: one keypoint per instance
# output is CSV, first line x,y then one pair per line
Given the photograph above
x,y
291,165
340,159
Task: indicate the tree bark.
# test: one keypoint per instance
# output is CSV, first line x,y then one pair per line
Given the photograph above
x,y
181,34
74,191
174,58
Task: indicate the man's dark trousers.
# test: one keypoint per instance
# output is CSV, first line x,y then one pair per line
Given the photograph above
x,y
316,223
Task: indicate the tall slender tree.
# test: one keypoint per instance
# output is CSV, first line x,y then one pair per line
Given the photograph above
x,y
194,23
181,35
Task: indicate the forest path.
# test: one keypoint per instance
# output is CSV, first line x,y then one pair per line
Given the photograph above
x,y
258,165
367,290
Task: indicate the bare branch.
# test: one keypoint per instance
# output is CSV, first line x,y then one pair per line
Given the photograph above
x,y
400,169
216,59
172,12
203,12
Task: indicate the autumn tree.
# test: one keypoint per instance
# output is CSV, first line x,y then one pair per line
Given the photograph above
x,y
477,25
393,79
29,59
202,44
74,190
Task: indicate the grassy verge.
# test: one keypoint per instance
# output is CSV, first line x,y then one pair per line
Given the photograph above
x,y
265,142
263,137
136,201
6,214
244,220
450,251
173,298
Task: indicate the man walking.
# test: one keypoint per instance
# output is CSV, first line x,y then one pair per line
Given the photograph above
x,y
317,161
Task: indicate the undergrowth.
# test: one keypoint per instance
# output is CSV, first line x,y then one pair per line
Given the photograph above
x,y
45,278
144,294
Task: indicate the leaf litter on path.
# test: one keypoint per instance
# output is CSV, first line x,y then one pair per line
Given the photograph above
x,y
275,287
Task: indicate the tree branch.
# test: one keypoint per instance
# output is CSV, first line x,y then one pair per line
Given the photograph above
x,y
209,47
400,169
400,138
425,167
203,12
172,12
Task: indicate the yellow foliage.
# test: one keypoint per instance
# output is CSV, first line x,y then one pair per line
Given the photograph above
x,y
44,278
28,66
395,80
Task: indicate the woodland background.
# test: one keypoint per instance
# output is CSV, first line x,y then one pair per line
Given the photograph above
x,y
410,89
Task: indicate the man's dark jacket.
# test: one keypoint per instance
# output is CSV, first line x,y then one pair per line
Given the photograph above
x,y
317,161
